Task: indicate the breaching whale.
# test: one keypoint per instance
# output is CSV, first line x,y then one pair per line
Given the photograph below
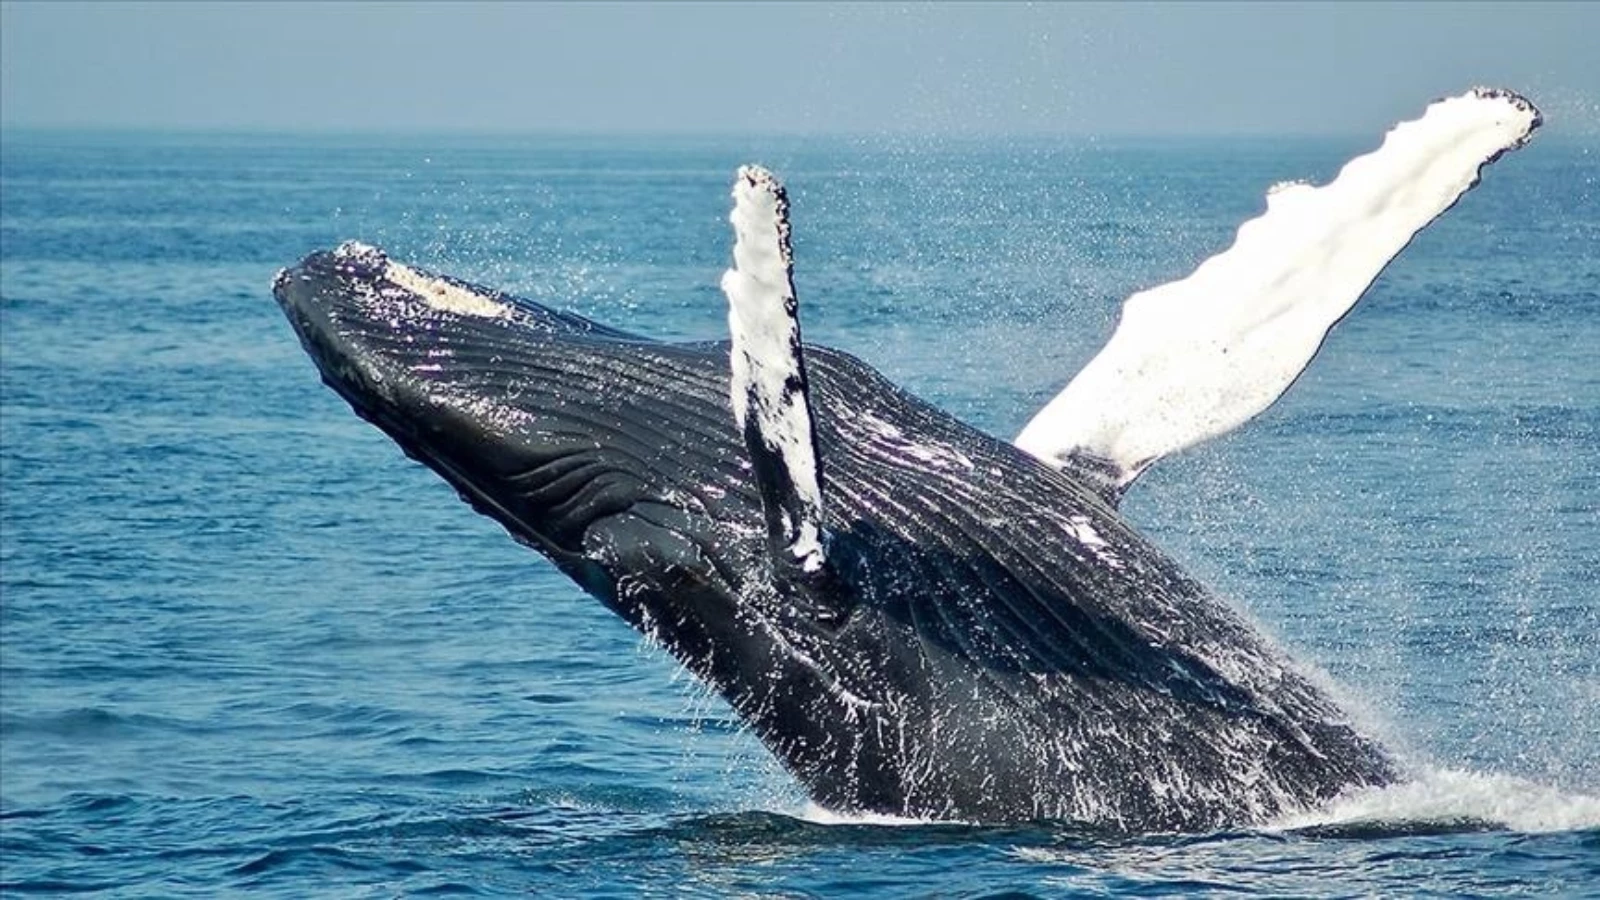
x,y
915,617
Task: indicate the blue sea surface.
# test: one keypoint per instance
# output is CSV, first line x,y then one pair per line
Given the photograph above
x,y
246,646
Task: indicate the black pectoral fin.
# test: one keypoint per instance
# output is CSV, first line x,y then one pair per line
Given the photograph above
x,y
769,394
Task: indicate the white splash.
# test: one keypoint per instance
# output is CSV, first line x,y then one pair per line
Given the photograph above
x,y
1198,357
818,815
1452,795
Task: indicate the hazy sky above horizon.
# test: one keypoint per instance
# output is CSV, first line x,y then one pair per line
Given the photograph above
x,y
855,68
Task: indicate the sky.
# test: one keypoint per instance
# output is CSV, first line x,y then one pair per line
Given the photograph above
x,y
1076,68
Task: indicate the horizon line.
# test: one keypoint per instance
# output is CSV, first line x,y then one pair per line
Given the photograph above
x,y
224,130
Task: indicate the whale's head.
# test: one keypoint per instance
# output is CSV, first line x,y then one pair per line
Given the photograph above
x,y
615,457
563,430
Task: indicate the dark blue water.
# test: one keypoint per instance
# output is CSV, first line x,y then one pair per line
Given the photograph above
x,y
245,645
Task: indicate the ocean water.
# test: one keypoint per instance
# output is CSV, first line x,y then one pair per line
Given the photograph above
x,y
247,647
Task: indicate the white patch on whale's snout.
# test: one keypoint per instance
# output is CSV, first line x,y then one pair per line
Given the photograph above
x,y
436,292
444,296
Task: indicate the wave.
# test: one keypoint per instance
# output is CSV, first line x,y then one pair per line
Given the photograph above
x,y
1438,801
1454,799
817,815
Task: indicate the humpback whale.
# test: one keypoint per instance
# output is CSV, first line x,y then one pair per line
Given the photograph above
x,y
915,617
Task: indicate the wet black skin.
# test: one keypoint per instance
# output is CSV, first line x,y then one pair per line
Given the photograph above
x,y
967,654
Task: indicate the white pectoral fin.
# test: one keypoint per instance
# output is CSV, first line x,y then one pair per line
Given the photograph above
x,y
769,393
1196,358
